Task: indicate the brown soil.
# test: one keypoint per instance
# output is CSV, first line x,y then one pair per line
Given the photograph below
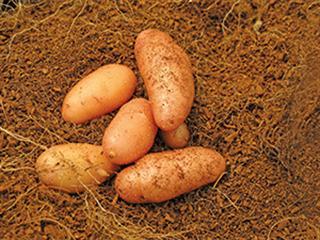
x,y
257,74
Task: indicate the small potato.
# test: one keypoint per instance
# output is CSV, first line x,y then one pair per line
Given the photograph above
x,y
71,167
101,92
131,133
167,74
158,177
177,138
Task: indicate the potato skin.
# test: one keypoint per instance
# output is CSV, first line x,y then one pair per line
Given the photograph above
x,y
68,166
131,133
158,177
101,92
177,138
167,73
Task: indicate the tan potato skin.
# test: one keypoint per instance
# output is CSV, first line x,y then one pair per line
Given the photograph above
x,y
177,138
167,73
68,167
131,133
101,92
158,177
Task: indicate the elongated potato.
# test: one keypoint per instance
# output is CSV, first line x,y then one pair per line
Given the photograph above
x,y
167,74
131,133
158,177
101,92
177,138
71,167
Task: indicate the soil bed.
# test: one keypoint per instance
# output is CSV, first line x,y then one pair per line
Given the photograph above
x,y
257,74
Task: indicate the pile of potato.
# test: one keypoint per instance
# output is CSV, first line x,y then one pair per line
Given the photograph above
x,y
155,177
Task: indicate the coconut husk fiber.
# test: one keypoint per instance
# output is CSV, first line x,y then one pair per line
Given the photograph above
x,y
256,68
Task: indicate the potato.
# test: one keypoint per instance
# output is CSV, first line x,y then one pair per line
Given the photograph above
x,y
71,167
167,74
131,133
177,138
101,92
158,177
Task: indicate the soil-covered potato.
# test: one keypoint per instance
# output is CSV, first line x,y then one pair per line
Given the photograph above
x,y
167,73
158,177
73,167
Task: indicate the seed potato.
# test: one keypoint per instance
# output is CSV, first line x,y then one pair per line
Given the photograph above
x,y
71,167
167,73
101,92
177,138
158,177
131,133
